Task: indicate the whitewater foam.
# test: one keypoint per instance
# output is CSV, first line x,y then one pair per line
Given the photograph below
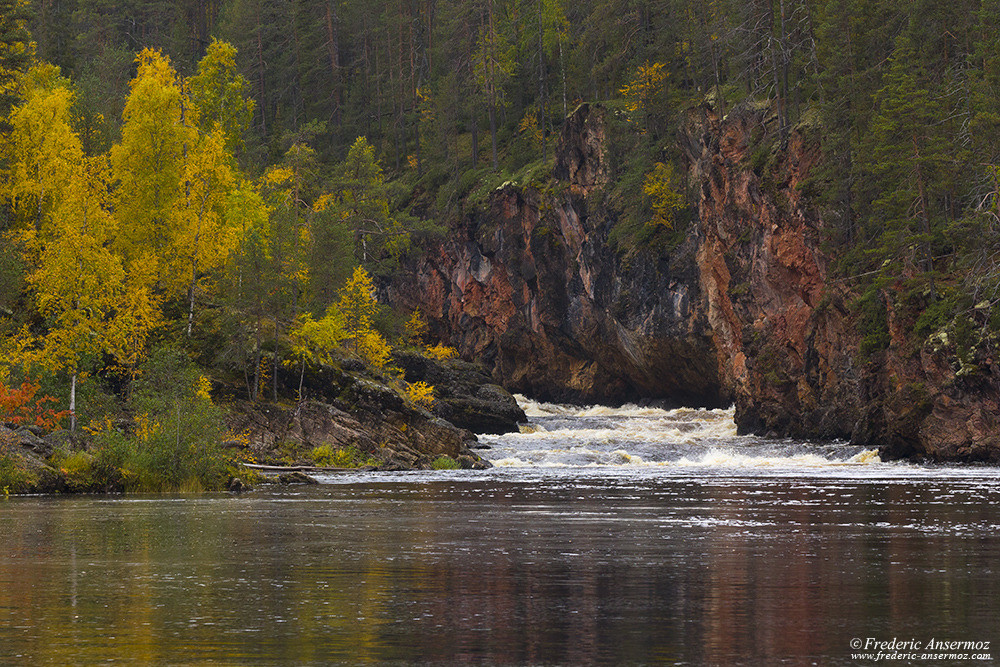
x,y
568,436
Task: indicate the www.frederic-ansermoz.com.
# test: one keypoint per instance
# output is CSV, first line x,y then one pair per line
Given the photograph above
x,y
879,650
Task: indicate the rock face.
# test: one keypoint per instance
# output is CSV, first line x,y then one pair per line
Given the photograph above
x,y
362,414
464,394
790,346
743,310
784,341
530,288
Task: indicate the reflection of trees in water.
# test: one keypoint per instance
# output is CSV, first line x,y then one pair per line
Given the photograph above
x,y
703,571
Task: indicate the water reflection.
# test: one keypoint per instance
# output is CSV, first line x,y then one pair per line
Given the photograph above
x,y
607,570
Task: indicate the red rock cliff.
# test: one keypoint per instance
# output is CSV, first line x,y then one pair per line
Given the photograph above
x,y
744,309
530,286
789,345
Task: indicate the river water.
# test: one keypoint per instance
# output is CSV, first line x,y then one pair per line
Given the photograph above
x,y
625,536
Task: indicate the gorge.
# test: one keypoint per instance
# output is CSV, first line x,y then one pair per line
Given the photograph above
x,y
745,309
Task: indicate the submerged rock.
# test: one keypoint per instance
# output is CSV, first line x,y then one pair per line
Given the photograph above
x,y
295,477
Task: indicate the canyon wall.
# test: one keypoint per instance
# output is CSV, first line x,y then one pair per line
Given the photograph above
x,y
529,286
744,310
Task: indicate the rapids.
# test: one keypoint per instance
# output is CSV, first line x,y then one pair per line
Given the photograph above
x,y
575,437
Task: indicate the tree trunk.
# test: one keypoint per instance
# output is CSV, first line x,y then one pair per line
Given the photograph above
x,y
493,134
72,403
302,377
541,77
333,51
475,139
274,369
925,220
256,360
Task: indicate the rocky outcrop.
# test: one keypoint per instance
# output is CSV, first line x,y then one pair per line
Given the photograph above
x,y
464,394
530,287
743,310
365,415
782,331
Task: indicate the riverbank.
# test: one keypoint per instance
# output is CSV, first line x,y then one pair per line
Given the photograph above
x,y
353,419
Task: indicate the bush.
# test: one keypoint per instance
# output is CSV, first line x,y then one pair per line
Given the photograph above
x,y
175,443
20,406
445,463
14,477
441,352
420,393
345,457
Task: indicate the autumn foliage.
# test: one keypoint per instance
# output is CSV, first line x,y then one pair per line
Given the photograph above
x,y
23,406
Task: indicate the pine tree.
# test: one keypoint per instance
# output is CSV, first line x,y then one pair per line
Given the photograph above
x,y
906,160
16,52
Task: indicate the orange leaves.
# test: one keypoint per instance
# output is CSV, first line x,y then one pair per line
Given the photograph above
x,y
20,406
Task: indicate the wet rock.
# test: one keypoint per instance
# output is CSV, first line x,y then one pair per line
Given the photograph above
x,y
27,438
473,463
359,413
237,486
63,439
295,477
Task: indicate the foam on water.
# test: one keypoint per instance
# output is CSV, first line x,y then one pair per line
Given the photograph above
x,y
632,436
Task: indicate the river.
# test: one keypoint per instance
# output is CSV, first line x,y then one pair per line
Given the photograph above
x,y
601,536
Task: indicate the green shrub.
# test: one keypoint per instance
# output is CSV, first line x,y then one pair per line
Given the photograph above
x,y
79,471
873,323
445,463
345,457
175,441
14,477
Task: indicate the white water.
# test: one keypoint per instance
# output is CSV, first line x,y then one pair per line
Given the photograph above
x,y
565,439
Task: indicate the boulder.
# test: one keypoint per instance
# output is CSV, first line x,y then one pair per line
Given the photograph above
x,y
465,394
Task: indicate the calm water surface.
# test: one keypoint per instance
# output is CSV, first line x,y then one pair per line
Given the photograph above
x,y
625,536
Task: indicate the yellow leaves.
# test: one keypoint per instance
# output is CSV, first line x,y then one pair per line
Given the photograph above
x,y
145,427
203,388
279,176
641,89
425,103
441,352
323,202
218,91
659,186
420,393
373,349
357,302
148,161
15,350
415,328
137,314
314,341
528,127
44,150
358,306
202,239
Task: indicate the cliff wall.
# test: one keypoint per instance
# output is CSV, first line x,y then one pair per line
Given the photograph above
x,y
529,286
744,310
